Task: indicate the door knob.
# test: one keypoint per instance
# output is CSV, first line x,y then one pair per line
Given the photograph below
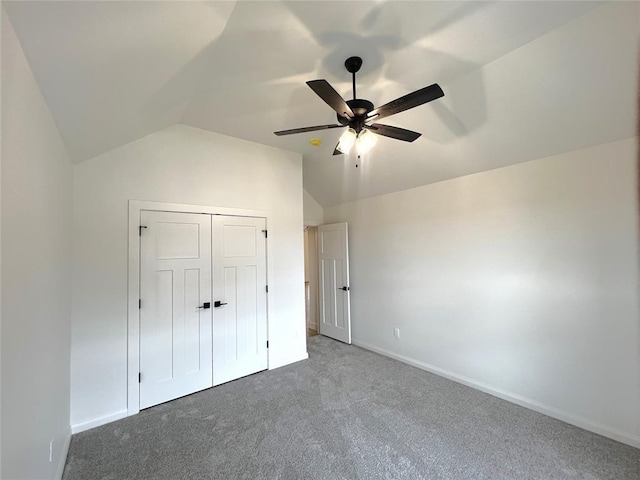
x,y
218,303
346,289
206,305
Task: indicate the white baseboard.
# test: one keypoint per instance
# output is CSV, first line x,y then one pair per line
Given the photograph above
x,y
624,437
112,417
281,362
96,422
62,460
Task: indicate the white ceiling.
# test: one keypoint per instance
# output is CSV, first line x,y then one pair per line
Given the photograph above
x,y
522,80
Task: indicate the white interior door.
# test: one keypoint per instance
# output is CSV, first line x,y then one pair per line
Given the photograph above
x,y
333,265
175,283
240,282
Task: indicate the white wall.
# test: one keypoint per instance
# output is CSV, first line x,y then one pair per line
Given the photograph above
x,y
36,275
313,213
522,281
185,165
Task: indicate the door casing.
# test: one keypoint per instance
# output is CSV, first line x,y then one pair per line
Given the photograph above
x,y
133,290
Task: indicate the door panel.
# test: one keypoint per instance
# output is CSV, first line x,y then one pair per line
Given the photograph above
x,y
240,326
333,263
192,321
175,279
160,334
177,240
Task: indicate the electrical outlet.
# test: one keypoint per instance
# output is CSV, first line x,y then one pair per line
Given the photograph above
x,y
396,332
51,451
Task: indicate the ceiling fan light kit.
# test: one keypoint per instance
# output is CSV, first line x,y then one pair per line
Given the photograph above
x,y
365,141
359,114
347,139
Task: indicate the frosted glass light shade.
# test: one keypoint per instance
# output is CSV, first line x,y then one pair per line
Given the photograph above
x,y
366,141
347,140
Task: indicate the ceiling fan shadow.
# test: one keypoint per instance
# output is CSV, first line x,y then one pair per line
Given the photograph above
x,y
417,20
463,109
450,120
457,114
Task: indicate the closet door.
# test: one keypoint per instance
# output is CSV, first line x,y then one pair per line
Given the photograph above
x,y
175,313
240,297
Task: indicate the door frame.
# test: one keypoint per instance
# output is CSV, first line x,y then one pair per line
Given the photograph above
x,y
314,275
133,278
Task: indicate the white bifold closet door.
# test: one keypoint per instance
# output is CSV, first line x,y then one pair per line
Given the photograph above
x,y
203,302
239,272
175,333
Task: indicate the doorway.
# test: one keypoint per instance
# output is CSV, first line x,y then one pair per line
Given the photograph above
x,y
333,281
327,289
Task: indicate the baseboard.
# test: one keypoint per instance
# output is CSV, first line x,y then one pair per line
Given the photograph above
x,y
281,362
62,460
623,437
96,422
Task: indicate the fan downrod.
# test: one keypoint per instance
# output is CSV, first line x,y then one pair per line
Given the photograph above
x,y
359,106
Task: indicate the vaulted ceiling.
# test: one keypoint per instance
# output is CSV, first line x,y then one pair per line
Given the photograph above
x,y
522,80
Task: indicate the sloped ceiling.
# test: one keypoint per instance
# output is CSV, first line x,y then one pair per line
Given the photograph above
x,y
522,80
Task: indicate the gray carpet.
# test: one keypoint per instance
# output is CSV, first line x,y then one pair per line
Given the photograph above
x,y
345,413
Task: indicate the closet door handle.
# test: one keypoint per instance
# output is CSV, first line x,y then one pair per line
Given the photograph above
x,y
206,305
218,303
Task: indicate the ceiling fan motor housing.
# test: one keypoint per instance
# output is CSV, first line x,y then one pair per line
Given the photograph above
x,y
360,108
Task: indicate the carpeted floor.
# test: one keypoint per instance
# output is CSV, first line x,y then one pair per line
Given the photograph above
x,y
345,413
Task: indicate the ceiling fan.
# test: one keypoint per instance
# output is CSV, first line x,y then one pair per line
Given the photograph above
x,y
359,114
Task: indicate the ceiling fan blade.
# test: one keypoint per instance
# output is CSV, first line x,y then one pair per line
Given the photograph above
x,y
394,132
411,100
336,151
332,98
306,129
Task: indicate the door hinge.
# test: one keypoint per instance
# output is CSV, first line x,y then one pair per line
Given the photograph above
x,y
139,377
140,230
139,303
266,288
265,233
267,343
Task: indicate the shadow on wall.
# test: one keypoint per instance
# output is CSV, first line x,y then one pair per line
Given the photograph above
x,y
224,84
